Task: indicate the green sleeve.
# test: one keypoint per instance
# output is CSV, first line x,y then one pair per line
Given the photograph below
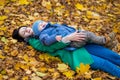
x,y
36,44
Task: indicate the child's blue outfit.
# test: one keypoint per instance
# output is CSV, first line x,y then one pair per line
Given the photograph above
x,y
48,35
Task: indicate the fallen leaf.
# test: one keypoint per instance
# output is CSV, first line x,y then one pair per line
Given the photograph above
x,y
14,53
26,58
3,18
69,74
97,79
79,6
36,78
82,69
41,74
62,67
25,78
22,2
3,39
2,2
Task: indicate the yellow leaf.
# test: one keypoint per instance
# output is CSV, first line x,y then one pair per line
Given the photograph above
x,y
29,47
79,6
69,74
91,14
88,75
3,39
25,78
62,67
51,70
1,77
42,69
22,2
13,41
6,48
2,57
3,28
35,78
24,66
99,28
55,75
115,30
2,2
14,53
3,18
17,66
1,22
97,79
13,0
82,69
1,33
7,11
26,58
3,72
58,10
46,4
41,74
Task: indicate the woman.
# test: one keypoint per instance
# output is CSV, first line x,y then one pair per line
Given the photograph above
x,y
97,56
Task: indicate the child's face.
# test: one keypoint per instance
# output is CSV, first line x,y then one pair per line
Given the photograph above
x,y
42,25
25,32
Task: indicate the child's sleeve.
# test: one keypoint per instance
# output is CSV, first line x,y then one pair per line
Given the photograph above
x,y
47,40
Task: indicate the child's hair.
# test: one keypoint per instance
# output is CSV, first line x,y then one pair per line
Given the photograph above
x,y
15,34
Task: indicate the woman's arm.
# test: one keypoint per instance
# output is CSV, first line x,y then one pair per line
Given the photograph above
x,y
35,43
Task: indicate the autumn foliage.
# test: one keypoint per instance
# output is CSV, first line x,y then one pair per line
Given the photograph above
x,y
19,61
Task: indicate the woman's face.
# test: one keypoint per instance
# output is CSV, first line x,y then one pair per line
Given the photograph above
x,y
25,32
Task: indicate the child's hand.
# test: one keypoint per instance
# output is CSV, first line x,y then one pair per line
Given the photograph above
x,y
58,38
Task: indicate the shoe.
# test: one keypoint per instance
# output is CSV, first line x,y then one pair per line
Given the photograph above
x,y
112,45
110,40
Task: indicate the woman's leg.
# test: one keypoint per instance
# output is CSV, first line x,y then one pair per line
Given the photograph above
x,y
105,65
103,52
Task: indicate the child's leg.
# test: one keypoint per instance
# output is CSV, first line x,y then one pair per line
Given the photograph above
x,y
103,52
77,44
92,38
105,65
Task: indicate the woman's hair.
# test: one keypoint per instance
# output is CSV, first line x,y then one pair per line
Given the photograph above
x,y
15,34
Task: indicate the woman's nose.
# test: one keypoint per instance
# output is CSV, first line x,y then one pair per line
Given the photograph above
x,y
27,30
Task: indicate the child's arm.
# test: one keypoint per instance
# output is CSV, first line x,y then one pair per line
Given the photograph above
x,y
48,40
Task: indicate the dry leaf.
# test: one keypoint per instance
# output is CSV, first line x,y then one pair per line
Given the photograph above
x,y
22,2
82,69
25,78
97,79
41,74
3,18
80,6
62,67
36,78
14,53
69,74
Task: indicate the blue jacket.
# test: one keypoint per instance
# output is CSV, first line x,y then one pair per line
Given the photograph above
x,y
48,34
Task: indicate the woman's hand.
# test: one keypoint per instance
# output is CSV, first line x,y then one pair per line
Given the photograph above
x,y
74,37
77,36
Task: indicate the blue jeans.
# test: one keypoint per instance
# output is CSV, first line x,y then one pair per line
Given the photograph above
x,y
104,59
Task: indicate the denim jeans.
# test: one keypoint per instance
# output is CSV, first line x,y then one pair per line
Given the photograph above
x,y
104,59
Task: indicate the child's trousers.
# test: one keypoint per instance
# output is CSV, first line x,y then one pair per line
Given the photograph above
x,y
104,59
90,38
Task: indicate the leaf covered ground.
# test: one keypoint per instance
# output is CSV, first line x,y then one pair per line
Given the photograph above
x,y
21,62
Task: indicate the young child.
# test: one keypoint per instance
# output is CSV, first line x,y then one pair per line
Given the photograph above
x,y
51,33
